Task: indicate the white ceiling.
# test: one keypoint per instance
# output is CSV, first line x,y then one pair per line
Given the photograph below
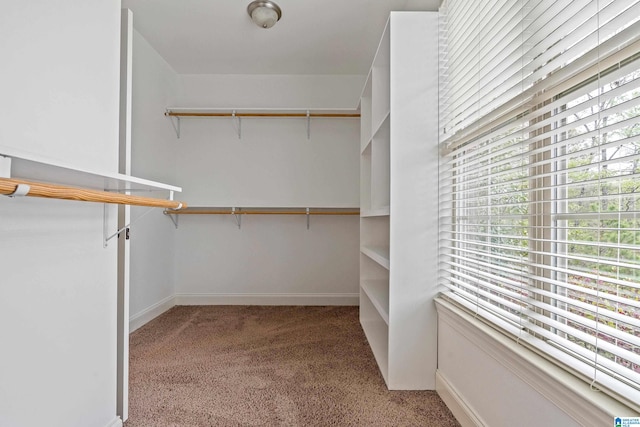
x,y
313,37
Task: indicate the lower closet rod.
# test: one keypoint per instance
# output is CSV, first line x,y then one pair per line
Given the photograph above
x,y
17,187
220,212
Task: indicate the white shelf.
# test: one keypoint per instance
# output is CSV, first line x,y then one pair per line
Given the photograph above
x,y
32,167
267,210
249,110
378,292
236,114
377,333
273,207
378,254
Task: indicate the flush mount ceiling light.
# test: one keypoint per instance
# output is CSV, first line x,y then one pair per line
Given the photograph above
x,y
264,13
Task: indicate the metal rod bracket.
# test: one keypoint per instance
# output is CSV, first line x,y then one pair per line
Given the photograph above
x,y
21,190
105,225
308,218
173,218
308,125
237,124
176,124
237,217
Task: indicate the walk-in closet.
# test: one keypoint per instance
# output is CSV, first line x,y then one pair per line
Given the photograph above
x,y
346,212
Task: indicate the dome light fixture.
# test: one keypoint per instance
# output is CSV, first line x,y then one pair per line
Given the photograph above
x,y
265,14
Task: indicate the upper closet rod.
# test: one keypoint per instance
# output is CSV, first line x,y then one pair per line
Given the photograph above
x,y
211,114
17,187
237,115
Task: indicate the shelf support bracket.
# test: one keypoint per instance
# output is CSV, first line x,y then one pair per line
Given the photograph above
x,y
176,124
124,229
5,167
105,225
168,213
308,218
237,217
308,125
237,124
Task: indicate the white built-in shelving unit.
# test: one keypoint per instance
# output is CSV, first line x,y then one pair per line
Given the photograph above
x,y
398,201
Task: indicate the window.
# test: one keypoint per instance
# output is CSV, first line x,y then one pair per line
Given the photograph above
x,y
540,178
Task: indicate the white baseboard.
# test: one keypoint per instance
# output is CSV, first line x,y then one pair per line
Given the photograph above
x,y
267,299
150,313
456,404
117,422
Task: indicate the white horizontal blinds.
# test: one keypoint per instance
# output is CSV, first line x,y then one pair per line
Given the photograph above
x,y
550,47
598,210
540,179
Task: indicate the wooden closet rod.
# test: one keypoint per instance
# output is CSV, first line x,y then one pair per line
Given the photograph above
x,y
329,115
10,186
259,212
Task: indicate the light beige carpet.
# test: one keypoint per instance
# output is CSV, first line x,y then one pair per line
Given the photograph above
x,y
266,366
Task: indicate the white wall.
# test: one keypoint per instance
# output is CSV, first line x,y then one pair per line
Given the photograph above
x,y
270,259
270,91
59,72
273,164
59,86
153,149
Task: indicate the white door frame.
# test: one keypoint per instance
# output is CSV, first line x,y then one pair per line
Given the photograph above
x,y
124,216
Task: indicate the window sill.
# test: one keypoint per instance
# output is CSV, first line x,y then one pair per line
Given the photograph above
x,y
565,390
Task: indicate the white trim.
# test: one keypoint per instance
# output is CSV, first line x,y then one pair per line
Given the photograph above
x,y
570,394
465,415
150,313
267,299
116,422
